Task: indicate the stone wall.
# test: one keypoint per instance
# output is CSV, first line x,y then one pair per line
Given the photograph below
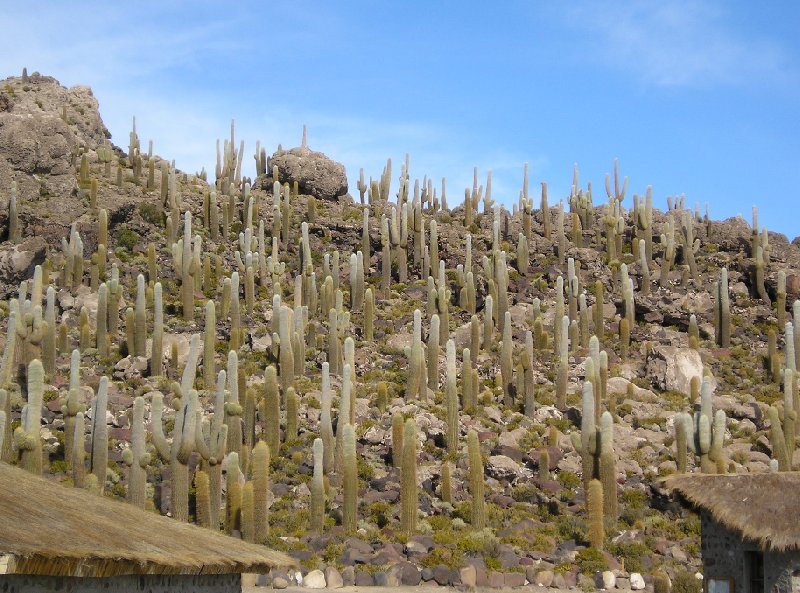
x,y
724,551
214,583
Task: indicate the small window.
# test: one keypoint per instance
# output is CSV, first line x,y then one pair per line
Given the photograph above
x,y
714,585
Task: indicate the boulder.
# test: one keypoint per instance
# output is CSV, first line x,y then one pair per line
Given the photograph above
x,y
333,578
637,581
315,173
502,467
17,262
314,580
671,368
608,580
468,576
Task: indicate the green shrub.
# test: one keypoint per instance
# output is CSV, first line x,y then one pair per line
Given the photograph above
x,y
151,213
127,239
590,561
631,553
685,582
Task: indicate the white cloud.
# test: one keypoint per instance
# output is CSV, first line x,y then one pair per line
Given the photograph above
x,y
673,44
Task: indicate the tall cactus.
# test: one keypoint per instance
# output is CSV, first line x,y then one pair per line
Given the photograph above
x,y
233,409
326,424
6,451
140,333
349,479
79,452
608,467
179,450
409,495
451,397
261,455
723,311
27,436
595,503
210,441
317,506
476,484
99,459
157,350
136,457
507,361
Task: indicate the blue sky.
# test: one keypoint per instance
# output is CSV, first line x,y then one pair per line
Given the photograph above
x,y
696,98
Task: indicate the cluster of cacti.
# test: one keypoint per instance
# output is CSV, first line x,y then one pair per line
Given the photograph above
x,y
315,329
703,434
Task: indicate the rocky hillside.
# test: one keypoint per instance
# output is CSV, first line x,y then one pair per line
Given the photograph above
x,y
397,387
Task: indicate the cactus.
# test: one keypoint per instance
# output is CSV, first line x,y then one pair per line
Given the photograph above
x,y
416,366
451,398
778,440
409,496
261,456
292,408
270,409
488,325
233,501
780,301
476,484
644,287
203,499
544,465
180,449
760,266
27,436
432,354
210,441
14,231
236,318
233,409
563,365
3,417
594,504
140,328
506,361
349,479
326,426
137,458
397,439
690,245
317,505
369,315
608,467
683,424
6,435
79,452
723,311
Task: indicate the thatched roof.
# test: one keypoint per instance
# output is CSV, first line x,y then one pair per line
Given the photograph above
x,y
49,529
762,507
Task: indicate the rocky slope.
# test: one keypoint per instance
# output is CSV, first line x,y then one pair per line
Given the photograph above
x,y
528,403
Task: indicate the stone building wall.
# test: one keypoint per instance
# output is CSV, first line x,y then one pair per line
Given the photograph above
x,y
724,554
213,583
